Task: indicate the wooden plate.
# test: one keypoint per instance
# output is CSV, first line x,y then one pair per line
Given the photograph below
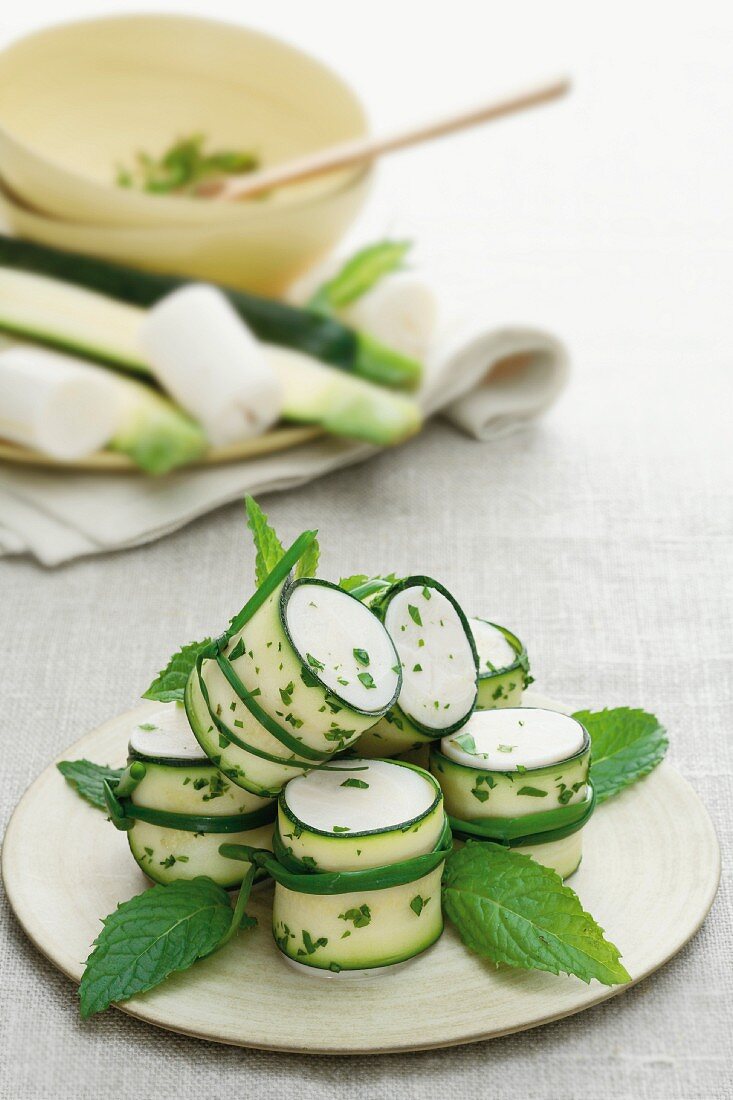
x,y
279,439
649,875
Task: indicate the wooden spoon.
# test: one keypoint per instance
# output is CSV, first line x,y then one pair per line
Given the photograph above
x,y
350,153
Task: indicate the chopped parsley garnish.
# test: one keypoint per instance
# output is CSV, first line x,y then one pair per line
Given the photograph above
x,y
418,904
355,783
466,742
414,614
362,656
286,693
360,917
367,679
313,661
147,726
505,748
427,594
238,650
417,668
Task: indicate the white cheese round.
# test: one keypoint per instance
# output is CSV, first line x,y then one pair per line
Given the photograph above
x,y
502,740
166,734
438,669
394,795
344,644
494,651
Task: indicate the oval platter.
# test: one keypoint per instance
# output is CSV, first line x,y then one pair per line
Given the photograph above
x,y
649,875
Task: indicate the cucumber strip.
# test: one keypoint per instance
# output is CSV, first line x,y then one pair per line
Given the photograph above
x,y
261,716
393,811
175,805
274,322
302,879
439,667
491,792
357,865
262,706
198,823
168,855
538,828
91,325
503,665
235,739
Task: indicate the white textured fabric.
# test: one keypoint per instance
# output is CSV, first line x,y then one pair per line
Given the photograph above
x,y
487,381
603,535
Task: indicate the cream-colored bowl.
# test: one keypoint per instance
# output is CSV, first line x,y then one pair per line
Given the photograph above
x,y
263,256
79,99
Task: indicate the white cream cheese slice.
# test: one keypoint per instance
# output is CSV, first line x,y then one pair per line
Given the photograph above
x,y
503,740
393,795
344,643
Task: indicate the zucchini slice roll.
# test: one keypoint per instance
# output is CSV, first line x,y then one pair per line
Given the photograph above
x,y
519,776
304,669
503,665
439,667
360,849
177,808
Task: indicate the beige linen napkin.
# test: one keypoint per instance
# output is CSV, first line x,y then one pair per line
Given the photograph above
x,y
485,381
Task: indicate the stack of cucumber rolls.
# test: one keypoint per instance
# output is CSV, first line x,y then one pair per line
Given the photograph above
x,y
518,776
359,854
503,665
177,808
439,667
302,672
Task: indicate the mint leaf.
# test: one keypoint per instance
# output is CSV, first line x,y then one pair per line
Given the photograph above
x,y
359,274
87,779
361,586
414,614
510,909
625,746
350,583
308,563
170,683
464,741
267,544
158,932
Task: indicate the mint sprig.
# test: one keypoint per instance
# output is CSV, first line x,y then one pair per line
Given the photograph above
x,y
308,564
267,545
87,779
170,683
626,745
161,931
362,587
512,910
269,549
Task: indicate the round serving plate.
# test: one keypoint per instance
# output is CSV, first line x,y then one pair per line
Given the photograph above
x,y
280,439
649,874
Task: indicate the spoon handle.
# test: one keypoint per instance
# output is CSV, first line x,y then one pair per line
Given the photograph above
x,y
364,150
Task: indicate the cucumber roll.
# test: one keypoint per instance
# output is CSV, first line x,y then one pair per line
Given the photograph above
x,y
519,777
439,667
304,669
360,851
503,665
177,808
